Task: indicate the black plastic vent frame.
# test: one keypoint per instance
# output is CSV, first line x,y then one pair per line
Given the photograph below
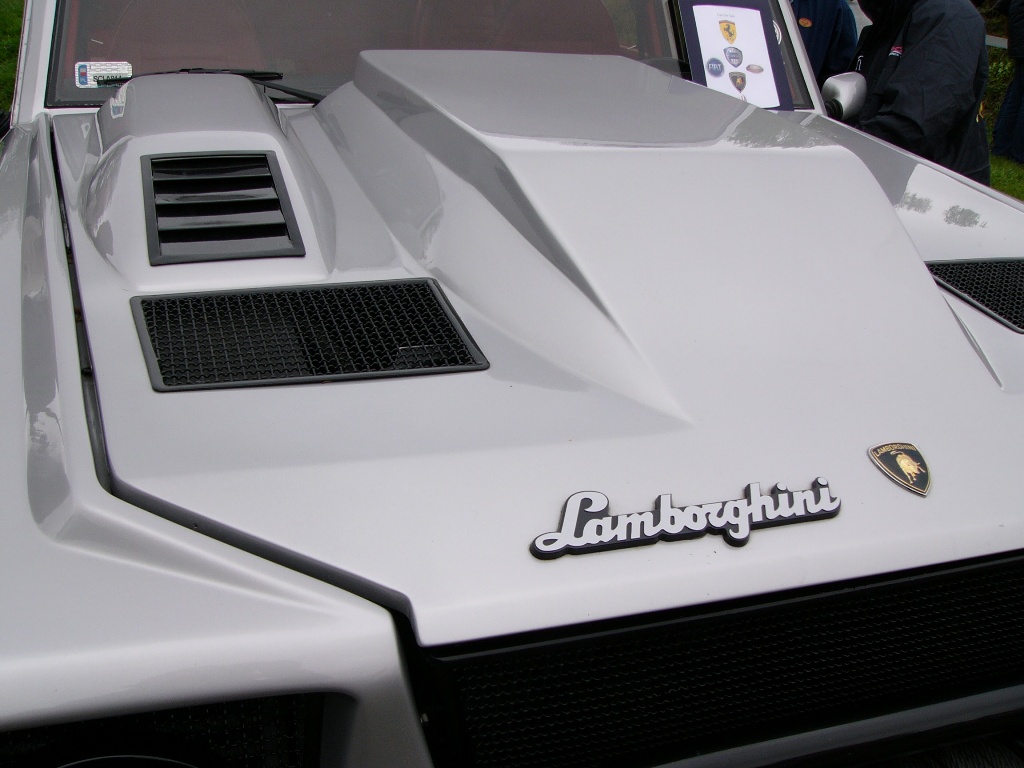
x,y
302,334
217,206
994,286
653,689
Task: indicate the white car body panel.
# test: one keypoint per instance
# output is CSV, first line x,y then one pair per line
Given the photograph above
x,y
421,464
678,294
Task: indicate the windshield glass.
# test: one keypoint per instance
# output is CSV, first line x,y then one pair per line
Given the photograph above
x,y
314,44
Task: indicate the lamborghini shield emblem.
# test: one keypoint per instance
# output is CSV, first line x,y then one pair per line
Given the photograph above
x,y
728,31
739,80
903,464
733,55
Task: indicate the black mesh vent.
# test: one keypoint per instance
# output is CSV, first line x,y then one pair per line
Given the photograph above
x,y
294,335
642,694
996,287
210,207
278,732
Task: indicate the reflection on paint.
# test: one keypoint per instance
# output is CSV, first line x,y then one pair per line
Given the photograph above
x,y
915,203
962,217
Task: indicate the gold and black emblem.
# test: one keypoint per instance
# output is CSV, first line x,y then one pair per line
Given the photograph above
x,y
728,30
904,464
739,80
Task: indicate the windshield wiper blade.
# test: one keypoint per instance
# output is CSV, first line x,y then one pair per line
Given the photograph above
x,y
252,74
258,76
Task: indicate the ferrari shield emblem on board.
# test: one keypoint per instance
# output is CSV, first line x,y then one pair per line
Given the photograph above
x,y
903,464
728,31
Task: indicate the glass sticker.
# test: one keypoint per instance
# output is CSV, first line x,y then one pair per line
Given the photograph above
x,y
90,74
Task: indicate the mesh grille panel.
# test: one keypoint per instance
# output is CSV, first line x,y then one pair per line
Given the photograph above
x,y
995,286
278,732
646,694
302,334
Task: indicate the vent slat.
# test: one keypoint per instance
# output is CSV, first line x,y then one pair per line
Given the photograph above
x,y
212,164
297,335
211,186
209,172
239,247
209,207
223,221
228,196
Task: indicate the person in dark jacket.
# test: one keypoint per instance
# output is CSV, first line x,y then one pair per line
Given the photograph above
x,y
926,67
1008,136
829,32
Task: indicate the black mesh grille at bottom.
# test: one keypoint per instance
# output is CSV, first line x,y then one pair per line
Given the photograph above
x,y
996,286
275,732
733,675
302,334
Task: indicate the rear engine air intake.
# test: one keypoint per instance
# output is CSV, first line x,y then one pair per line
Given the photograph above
x,y
996,287
297,335
276,732
655,689
210,207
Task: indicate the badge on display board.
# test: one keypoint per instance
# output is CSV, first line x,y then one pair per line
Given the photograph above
x,y
742,32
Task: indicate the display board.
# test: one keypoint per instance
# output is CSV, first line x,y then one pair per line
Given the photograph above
x,y
735,47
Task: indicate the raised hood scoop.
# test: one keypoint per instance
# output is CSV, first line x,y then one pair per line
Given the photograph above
x,y
651,348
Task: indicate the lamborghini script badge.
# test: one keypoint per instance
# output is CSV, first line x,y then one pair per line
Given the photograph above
x,y
588,525
904,464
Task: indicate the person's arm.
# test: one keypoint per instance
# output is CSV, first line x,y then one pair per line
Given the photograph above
x,y
931,87
842,43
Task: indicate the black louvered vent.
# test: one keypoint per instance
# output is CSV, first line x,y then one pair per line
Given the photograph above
x,y
209,207
277,732
296,335
996,287
662,688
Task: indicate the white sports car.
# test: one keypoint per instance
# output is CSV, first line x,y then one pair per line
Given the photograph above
x,y
494,383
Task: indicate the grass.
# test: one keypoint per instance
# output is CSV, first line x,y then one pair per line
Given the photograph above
x,y
1007,176
10,33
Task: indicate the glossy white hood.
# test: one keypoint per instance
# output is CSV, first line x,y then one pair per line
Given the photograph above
x,y
668,315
